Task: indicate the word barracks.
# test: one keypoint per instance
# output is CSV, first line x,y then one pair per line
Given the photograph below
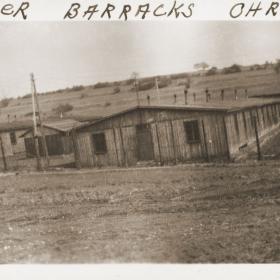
x,y
126,12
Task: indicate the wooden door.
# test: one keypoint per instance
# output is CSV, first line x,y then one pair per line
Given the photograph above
x,y
145,149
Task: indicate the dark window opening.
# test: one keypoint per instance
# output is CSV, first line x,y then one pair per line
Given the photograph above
x,y
99,143
13,138
192,131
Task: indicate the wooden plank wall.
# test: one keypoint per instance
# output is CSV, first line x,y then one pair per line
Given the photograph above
x,y
19,147
169,142
6,144
169,137
241,132
67,145
121,148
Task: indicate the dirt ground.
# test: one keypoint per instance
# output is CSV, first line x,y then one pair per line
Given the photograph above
x,y
184,214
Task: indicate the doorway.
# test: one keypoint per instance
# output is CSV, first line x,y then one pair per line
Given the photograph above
x,y
145,150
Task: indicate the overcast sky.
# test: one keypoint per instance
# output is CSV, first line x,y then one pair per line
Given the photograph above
x,y
67,54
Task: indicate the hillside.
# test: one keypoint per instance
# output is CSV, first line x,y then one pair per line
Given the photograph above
x,y
91,101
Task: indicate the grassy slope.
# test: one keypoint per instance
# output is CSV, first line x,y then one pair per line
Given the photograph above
x,y
177,214
100,102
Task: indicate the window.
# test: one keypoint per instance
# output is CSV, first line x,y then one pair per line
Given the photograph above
x,y
13,138
99,143
192,131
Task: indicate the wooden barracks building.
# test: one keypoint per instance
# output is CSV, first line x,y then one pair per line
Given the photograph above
x,y
172,134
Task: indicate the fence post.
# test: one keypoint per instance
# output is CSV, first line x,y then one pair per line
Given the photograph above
x,y
222,94
205,141
123,148
115,142
3,155
207,95
173,142
226,138
186,96
235,94
257,138
159,148
175,98
194,97
149,99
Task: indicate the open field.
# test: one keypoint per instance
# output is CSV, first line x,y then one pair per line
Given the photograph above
x,y
189,213
103,101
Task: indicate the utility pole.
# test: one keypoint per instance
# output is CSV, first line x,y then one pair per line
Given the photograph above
x,y
207,95
187,86
186,96
235,94
35,131
45,148
149,100
222,94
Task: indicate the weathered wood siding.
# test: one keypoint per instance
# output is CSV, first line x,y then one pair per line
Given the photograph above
x,y
240,125
19,147
57,143
8,150
168,137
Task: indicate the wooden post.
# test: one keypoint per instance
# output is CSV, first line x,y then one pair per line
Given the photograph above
x,y
226,138
175,98
159,148
207,95
75,148
194,97
149,99
136,90
205,141
124,152
186,96
157,89
257,138
3,155
34,131
45,148
173,142
37,152
222,94
235,94
246,93
115,143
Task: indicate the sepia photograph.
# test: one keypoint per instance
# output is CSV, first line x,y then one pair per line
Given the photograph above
x,y
139,142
